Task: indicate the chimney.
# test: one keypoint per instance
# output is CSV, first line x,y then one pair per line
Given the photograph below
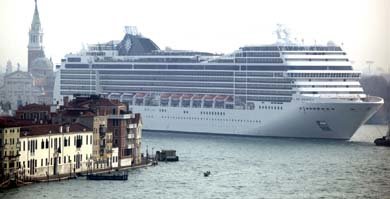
x,y
67,128
60,129
66,100
53,108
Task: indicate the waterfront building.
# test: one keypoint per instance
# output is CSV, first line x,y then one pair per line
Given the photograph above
x,y
19,89
9,148
103,154
55,150
112,124
88,133
35,151
38,113
127,137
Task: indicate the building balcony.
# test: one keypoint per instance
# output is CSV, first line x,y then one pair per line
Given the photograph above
x,y
130,136
132,126
120,117
103,152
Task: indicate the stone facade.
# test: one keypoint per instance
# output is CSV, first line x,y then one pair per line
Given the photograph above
x,y
122,129
55,150
38,113
103,154
19,89
127,130
9,149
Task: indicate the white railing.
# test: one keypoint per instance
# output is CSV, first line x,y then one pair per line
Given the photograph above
x,y
130,136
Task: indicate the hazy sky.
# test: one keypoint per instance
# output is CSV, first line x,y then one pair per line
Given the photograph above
x,y
363,26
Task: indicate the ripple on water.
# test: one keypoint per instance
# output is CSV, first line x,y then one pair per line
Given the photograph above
x,y
241,167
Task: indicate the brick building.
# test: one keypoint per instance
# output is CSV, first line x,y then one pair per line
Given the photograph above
x,y
113,127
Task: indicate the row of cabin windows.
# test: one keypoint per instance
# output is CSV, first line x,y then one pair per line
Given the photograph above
x,y
159,72
211,113
310,48
210,119
163,66
239,77
157,89
271,107
316,59
78,82
196,90
78,76
327,86
257,54
316,109
79,87
243,84
343,75
252,77
314,53
89,72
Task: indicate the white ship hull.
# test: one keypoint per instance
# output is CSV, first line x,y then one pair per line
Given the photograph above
x,y
290,121
279,90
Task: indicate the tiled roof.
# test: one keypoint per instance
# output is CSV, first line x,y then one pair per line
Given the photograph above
x,y
82,102
52,128
34,107
7,122
77,113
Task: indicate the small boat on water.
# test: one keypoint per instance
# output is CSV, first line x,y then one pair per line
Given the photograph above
x,y
167,155
206,174
117,175
385,140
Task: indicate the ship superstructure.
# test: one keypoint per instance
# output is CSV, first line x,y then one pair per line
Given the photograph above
x,y
283,89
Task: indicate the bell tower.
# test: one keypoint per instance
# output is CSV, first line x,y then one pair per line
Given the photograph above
x,y
35,44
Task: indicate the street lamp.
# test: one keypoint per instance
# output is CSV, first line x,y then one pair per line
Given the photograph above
x,y
152,153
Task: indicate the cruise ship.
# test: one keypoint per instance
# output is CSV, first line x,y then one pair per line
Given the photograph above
x,y
284,89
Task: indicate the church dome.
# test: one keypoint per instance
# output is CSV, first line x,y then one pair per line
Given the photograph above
x,y
41,67
42,63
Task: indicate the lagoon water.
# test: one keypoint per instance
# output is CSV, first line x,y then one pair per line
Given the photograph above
x,y
241,167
